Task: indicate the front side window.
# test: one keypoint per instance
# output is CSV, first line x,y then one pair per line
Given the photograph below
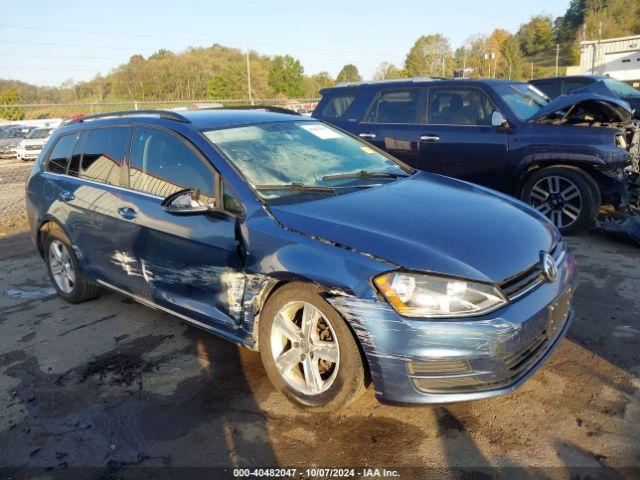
x,y
550,88
395,106
59,157
162,164
337,105
523,100
569,86
292,158
103,153
459,106
40,133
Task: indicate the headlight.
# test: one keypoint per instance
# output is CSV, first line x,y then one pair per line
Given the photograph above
x,y
423,295
621,141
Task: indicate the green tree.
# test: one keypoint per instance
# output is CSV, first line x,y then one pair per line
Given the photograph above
x,y
10,97
286,76
428,56
349,73
231,82
512,58
386,71
315,83
536,35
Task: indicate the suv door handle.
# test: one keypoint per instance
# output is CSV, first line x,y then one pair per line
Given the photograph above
x,y
368,136
429,138
127,213
67,196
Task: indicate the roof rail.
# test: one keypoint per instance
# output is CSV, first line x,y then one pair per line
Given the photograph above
x,y
268,108
132,113
388,80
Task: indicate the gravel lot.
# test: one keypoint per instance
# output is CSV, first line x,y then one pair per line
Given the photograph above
x,y
121,389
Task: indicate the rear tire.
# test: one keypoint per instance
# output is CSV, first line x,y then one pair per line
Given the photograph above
x,y
64,269
290,351
566,195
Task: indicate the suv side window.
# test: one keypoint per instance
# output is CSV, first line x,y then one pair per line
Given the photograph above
x,y
395,106
338,105
459,106
550,88
571,85
103,153
162,164
59,157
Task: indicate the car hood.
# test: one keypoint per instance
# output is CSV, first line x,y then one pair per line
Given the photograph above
x,y
432,223
595,96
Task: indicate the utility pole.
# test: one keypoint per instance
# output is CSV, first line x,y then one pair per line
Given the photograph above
x,y
557,57
249,78
464,61
531,70
443,57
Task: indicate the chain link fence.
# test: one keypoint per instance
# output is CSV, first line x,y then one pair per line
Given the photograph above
x,y
14,172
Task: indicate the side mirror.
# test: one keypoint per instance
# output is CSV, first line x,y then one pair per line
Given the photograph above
x,y
497,119
187,202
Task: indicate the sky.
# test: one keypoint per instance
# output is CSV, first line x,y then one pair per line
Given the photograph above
x,y
48,42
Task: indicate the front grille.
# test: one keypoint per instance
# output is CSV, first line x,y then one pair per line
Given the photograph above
x,y
33,147
516,360
529,279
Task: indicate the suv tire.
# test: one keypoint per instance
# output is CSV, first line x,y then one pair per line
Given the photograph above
x,y
566,195
319,368
64,269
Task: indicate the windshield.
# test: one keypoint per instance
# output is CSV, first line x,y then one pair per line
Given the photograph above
x,y
40,133
620,88
524,100
311,156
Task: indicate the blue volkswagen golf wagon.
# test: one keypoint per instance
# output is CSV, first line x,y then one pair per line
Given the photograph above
x,y
340,264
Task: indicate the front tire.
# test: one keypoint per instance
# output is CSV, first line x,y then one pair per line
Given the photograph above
x,y
308,351
64,269
566,195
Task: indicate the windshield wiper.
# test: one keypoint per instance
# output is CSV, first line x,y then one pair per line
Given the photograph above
x,y
300,187
364,174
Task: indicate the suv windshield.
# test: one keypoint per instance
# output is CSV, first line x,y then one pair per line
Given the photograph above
x,y
523,99
40,133
620,88
303,159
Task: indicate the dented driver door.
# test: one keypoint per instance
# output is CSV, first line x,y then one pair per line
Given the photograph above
x,y
185,263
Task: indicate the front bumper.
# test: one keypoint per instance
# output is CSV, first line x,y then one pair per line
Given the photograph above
x,y
429,362
27,154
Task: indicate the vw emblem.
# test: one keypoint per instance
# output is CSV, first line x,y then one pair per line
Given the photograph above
x,y
548,266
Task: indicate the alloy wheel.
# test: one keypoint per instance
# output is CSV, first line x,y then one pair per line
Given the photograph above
x,y
61,266
557,198
305,348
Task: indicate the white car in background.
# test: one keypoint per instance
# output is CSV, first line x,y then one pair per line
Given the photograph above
x,y
32,145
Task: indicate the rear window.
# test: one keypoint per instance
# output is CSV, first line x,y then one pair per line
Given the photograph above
x,y
59,158
103,154
338,105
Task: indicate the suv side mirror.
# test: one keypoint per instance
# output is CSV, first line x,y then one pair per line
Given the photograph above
x,y
187,202
497,119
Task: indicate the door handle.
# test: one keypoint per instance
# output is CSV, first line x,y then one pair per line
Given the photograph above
x,y
67,196
367,136
127,213
429,138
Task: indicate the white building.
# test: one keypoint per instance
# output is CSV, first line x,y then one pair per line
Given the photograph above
x,y
616,57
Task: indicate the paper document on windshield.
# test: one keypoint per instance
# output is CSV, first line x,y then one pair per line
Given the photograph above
x,y
321,131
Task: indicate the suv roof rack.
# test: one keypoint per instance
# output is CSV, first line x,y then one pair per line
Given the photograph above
x,y
268,108
389,80
132,113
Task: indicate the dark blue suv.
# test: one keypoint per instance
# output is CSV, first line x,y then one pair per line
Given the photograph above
x,y
338,263
565,157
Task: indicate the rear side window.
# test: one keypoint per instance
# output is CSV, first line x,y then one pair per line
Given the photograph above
x,y
103,153
162,164
59,158
338,105
459,106
395,106
550,89
571,85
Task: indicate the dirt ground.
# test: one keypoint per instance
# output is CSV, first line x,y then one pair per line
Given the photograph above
x,y
120,389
